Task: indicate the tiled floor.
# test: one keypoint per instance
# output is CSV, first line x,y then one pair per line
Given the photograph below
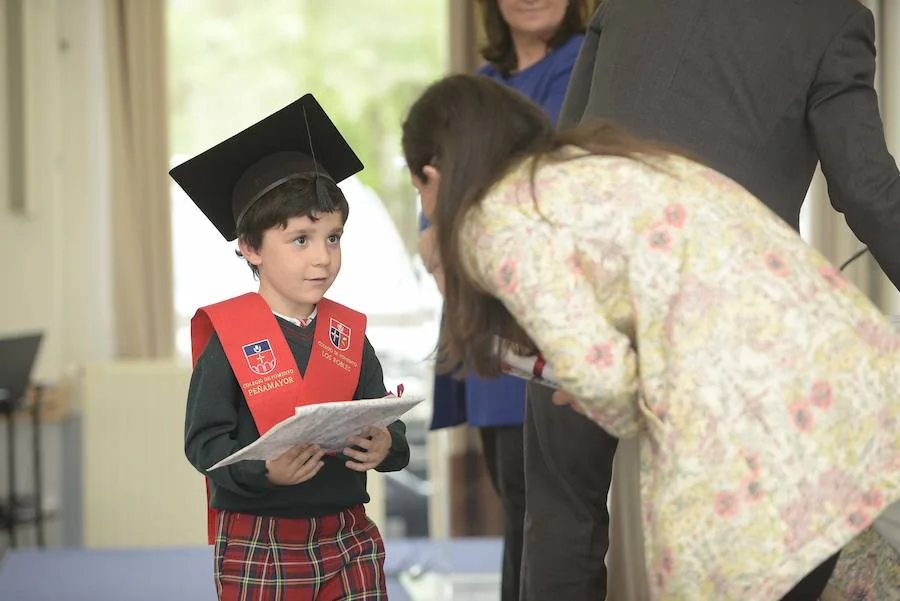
x,y
418,570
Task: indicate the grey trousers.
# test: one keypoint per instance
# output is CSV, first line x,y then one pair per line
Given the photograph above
x,y
568,469
503,448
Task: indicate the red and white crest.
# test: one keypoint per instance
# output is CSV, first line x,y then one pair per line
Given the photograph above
x,y
260,357
339,334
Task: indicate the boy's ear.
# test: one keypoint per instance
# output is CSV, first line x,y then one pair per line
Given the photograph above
x,y
249,253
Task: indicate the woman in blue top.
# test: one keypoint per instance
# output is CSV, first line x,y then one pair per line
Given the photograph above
x,y
531,46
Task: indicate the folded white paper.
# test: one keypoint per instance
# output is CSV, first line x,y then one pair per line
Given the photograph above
x,y
328,425
523,367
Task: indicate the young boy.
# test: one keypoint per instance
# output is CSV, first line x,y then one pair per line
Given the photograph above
x,y
291,528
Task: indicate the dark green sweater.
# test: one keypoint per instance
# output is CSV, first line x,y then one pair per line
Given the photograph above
x,y
218,423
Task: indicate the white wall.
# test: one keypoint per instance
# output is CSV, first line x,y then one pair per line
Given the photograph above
x,y
4,126
54,272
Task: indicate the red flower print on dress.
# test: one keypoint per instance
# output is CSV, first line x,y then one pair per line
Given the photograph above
x,y
878,335
660,410
833,277
858,520
675,215
667,561
873,499
659,239
754,490
796,516
836,479
712,176
573,262
601,355
776,264
860,591
506,276
727,504
659,579
752,460
802,416
649,516
820,396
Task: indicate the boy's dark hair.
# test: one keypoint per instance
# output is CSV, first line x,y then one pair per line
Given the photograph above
x,y
499,50
294,198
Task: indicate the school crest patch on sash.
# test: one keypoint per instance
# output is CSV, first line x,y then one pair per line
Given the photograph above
x,y
260,357
339,334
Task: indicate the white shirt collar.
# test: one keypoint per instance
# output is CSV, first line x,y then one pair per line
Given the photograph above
x,y
299,322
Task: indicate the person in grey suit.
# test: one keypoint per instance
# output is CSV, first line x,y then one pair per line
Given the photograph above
x,y
761,91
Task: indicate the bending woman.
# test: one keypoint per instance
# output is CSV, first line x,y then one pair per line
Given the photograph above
x,y
673,306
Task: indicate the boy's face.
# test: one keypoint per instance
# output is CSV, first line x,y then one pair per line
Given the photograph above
x,y
297,264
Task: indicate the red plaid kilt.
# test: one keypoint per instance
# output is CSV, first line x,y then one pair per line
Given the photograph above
x,y
279,559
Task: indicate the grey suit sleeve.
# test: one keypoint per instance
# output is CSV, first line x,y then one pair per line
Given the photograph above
x,y
579,90
863,181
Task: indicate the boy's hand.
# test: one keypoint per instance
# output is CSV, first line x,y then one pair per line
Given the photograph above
x,y
376,442
298,464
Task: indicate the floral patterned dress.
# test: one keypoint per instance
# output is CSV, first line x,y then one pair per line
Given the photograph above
x,y
676,307
869,569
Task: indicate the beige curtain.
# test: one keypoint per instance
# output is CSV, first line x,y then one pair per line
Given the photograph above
x,y
465,28
625,562
142,255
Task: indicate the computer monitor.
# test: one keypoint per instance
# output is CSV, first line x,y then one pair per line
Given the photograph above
x,y
17,358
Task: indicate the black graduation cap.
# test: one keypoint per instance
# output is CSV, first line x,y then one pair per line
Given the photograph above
x,y
300,139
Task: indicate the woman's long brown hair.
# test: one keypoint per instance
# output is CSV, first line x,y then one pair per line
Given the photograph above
x,y
473,130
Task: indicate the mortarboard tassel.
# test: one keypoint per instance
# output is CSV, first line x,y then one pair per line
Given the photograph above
x,y
322,195
325,204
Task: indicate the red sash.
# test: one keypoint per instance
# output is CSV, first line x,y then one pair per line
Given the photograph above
x,y
265,367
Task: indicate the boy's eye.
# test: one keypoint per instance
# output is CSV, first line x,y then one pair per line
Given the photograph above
x,y
300,241
334,238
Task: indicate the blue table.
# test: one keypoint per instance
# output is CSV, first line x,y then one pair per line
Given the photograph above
x,y
186,574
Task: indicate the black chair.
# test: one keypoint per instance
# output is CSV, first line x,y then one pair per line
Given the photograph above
x,y
17,358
